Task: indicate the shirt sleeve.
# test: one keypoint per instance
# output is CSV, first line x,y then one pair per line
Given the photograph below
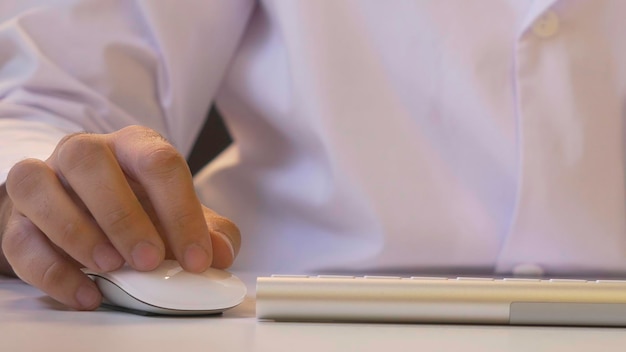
x,y
97,66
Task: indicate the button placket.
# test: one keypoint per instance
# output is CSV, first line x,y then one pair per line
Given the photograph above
x,y
570,142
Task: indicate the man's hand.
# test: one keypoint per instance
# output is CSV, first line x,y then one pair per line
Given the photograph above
x,y
102,200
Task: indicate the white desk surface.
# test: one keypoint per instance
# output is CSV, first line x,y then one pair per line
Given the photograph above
x,y
30,321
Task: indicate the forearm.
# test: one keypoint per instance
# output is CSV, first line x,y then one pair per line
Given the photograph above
x,y
5,211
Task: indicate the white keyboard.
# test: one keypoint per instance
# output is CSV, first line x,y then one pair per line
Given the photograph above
x,y
442,300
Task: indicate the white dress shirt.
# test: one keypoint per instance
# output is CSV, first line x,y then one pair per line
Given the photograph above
x,y
369,135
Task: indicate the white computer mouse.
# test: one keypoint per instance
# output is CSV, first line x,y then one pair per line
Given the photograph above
x,y
170,290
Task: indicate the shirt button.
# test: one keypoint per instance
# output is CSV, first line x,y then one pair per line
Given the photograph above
x,y
528,270
547,25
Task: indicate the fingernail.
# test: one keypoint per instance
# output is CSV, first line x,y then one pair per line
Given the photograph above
x,y
196,258
146,256
107,257
228,243
87,296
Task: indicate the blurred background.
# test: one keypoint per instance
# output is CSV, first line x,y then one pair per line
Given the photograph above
x,y
213,139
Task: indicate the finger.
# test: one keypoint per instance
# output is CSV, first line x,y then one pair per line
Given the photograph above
x,y
90,168
225,237
36,262
163,172
37,193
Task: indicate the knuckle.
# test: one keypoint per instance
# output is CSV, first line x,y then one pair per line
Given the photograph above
x,y
142,132
226,223
184,219
227,227
121,218
25,177
162,160
80,150
17,246
14,241
69,236
52,276
68,137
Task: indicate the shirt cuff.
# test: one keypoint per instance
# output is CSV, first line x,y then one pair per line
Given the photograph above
x,y
21,139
